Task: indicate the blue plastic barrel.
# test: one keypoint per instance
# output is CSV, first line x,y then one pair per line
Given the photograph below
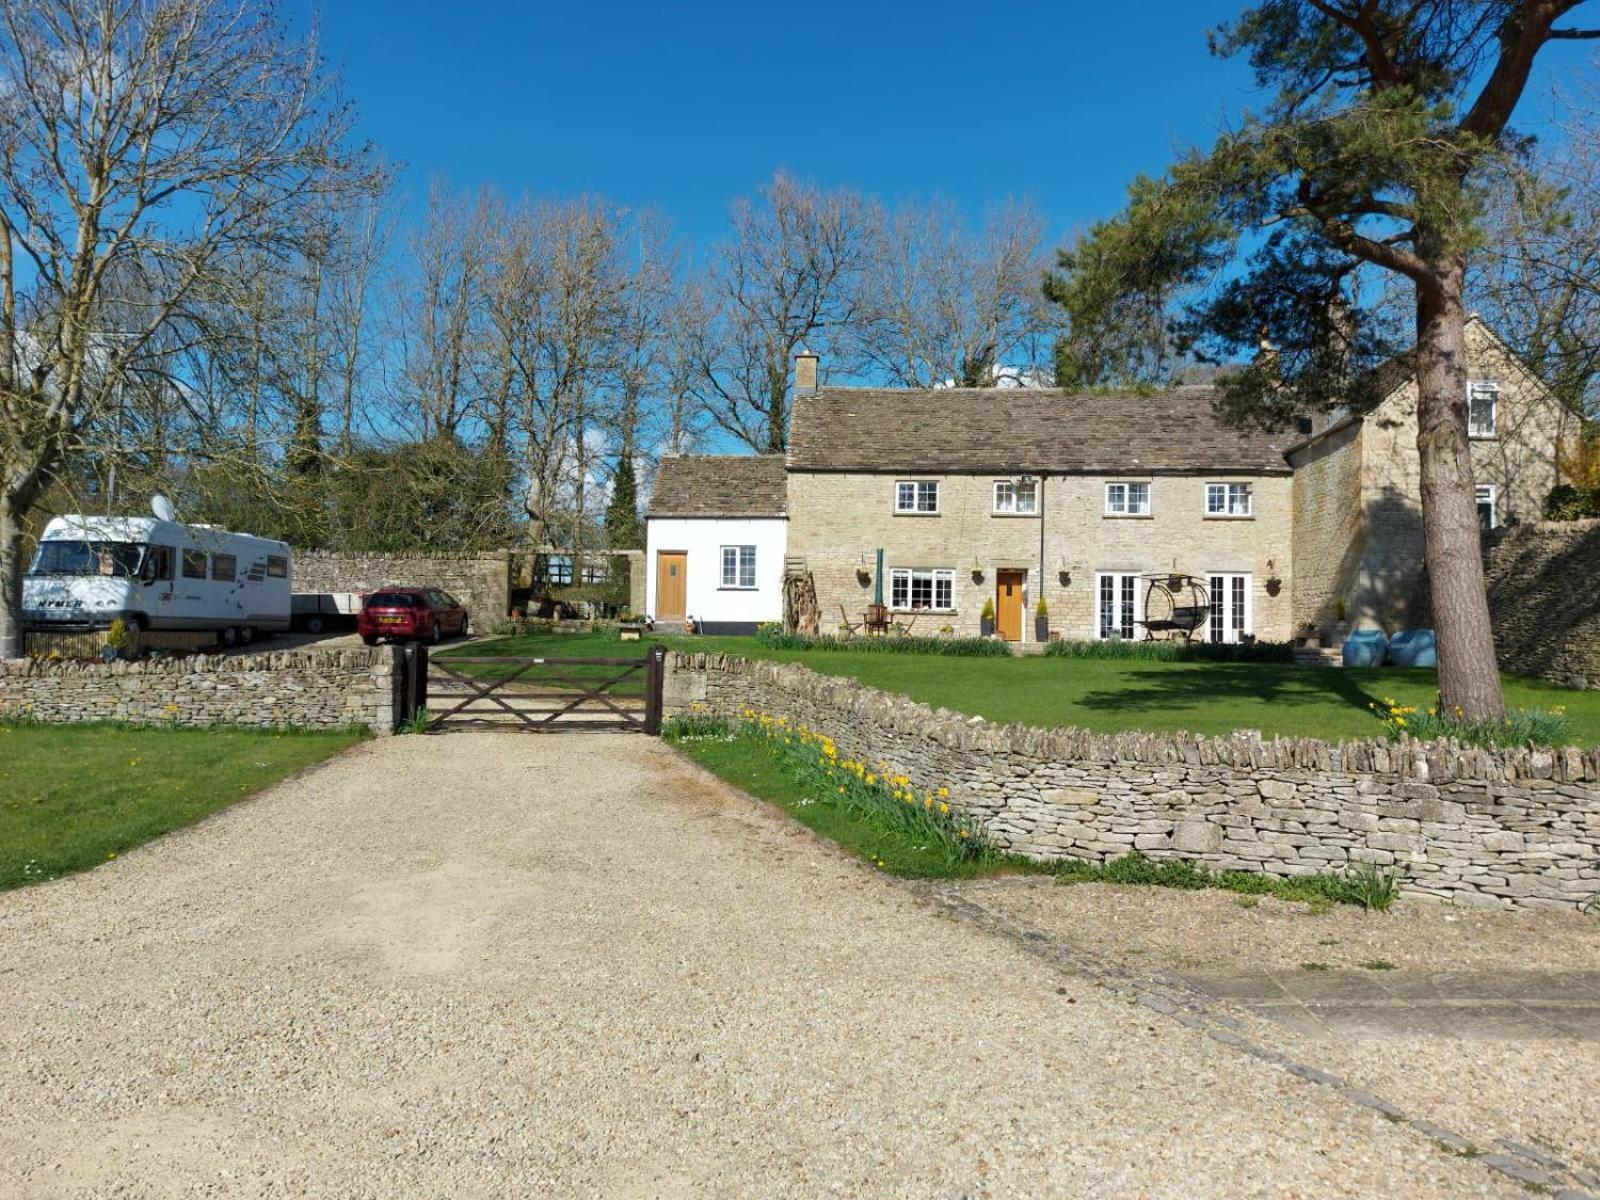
x,y
1413,648
1365,648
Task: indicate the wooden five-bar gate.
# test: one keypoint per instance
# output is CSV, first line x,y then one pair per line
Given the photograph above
x,y
534,695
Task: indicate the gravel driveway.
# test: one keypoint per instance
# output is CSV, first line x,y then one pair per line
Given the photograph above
x,y
499,965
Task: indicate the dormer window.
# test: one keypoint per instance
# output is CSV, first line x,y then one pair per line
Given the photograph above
x,y
1483,398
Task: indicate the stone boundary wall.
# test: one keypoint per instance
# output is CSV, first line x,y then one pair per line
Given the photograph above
x,y
1516,828
321,689
481,581
1544,600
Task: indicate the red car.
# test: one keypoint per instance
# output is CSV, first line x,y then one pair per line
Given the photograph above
x,y
415,614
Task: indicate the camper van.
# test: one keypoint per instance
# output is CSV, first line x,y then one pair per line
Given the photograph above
x,y
158,574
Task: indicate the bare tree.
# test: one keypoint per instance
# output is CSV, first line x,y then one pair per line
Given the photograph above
x,y
942,305
788,275
156,141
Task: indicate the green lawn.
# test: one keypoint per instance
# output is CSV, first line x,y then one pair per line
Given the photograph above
x,y
74,796
1111,695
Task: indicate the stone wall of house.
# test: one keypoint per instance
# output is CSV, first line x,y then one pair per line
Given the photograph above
x,y
1544,601
1504,828
481,581
837,522
297,689
1328,531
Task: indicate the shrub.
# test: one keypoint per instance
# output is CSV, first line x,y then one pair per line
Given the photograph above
x,y
1372,887
1521,727
988,609
1569,503
1175,651
774,638
117,636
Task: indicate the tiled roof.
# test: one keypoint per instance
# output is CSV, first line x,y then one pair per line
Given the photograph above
x,y
1024,429
720,485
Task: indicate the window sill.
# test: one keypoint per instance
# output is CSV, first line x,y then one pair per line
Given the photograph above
x,y
1033,516
1129,516
916,514
1483,437
728,587
1229,517
924,612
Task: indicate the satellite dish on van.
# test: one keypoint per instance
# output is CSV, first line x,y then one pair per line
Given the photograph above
x,y
162,507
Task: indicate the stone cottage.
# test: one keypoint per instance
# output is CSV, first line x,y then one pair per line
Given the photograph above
x,y
1092,502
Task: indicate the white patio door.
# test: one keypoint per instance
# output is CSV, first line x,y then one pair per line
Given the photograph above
x,y
1230,607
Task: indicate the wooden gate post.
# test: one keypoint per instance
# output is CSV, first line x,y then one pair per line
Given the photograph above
x,y
655,678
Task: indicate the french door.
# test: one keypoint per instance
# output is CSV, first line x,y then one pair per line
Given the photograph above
x,y
1230,607
1116,595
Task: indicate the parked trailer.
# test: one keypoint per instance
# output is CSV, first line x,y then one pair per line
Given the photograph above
x,y
157,574
317,612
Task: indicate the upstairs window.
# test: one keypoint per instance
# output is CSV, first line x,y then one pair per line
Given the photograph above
x,y
738,566
916,496
1483,398
1228,500
1016,496
932,589
1127,499
1487,517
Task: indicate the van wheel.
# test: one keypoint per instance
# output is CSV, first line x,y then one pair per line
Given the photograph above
x,y
313,625
247,634
229,636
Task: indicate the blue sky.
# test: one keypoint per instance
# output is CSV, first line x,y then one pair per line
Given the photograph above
x,y
682,106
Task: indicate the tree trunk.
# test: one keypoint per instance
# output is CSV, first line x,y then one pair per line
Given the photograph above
x,y
1469,680
12,567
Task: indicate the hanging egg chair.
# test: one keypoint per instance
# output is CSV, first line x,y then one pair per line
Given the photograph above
x,y
1175,606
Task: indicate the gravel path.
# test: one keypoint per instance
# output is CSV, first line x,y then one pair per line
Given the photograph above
x,y
498,965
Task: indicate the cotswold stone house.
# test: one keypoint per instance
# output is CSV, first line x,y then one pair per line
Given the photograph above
x,y
1010,496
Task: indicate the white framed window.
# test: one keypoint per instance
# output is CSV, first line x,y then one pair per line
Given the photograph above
x,y
1230,607
1127,499
915,587
1488,515
916,496
1016,496
1116,594
1483,399
738,566
1228,500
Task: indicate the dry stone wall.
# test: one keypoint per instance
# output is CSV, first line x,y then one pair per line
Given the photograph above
x,y
1544,600
327,689
1514,828
482,582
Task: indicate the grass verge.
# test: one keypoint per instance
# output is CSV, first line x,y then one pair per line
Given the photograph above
x,y
75,796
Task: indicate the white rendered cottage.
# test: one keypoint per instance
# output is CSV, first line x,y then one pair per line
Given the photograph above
x,y
715,538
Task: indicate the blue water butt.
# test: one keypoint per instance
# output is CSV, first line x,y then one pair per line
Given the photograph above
x,y
1365,648
1413,648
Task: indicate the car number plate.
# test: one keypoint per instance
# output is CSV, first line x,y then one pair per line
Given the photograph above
x,y
388,620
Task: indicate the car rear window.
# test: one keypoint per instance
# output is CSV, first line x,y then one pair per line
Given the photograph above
x,y
391,600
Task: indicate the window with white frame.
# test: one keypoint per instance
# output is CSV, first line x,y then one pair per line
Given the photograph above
x,y
1127,499
912,587
1116,593
1483,399
1487,516
1227,499
738,566
1016,496
1230,607
916,496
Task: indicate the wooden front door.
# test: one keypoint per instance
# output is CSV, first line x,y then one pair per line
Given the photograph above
x,y
672,580
1008,604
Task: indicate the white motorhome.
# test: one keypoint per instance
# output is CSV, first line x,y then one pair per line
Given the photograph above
x,y
157,574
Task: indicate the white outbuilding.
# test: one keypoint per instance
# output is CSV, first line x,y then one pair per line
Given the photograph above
x,y
716,535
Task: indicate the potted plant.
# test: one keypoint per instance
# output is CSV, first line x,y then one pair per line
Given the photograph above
x,y
1041,621
1341,625
863,577
986,618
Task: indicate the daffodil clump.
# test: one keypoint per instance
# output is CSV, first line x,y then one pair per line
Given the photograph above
x,y
876,793
1521,727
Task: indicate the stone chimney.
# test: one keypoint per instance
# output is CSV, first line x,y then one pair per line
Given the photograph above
x,y
805,371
